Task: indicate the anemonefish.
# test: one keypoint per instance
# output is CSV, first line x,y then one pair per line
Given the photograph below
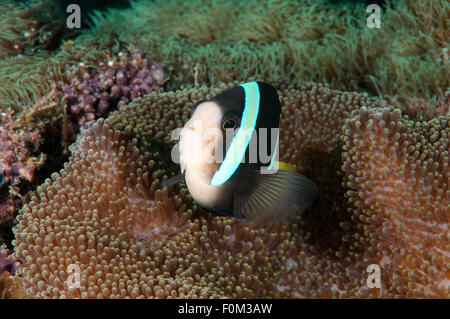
x,y
246,180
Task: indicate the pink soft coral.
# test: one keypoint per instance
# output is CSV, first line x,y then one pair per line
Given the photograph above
x,y
18,161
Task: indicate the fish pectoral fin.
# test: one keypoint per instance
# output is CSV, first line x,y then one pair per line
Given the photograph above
x,y
173,180
279,196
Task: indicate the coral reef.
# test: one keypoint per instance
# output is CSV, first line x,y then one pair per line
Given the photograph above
x,y
310,40
307,41
105,212
7,262
27,28
421,109
11,287
18,161
90,8
94,92
383,177
28,79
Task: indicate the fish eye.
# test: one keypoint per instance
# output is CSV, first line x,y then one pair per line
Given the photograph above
x,y
229,124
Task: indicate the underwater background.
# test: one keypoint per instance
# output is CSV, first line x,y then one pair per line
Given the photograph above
x,y
86,116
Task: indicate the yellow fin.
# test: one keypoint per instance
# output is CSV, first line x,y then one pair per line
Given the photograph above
x,y
285,166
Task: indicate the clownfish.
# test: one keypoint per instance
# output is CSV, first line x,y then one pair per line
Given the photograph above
x,y
228,154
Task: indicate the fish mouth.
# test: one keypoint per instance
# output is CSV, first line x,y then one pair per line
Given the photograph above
x,y
198,152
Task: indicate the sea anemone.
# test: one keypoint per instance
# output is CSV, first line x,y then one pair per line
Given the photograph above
x,y
305,40
103,228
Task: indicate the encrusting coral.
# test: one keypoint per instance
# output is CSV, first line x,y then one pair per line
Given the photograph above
x,y
94,92
105,212
7,262
11,287
27,79
18,161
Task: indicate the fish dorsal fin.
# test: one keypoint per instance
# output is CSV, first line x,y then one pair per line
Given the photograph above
x,y
273,197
